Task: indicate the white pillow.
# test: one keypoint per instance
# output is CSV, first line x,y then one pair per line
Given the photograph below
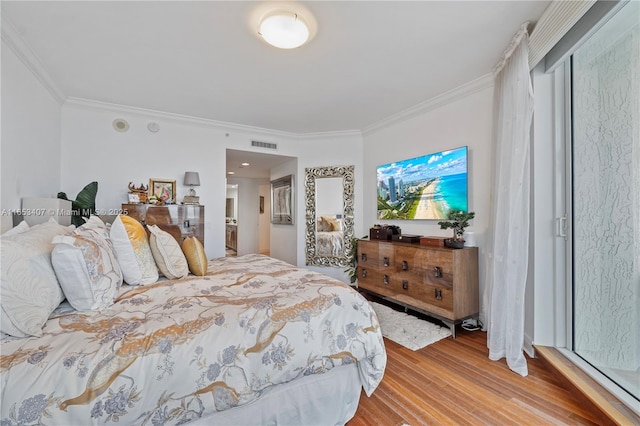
x,y
87,269
93,222
133,252
168,254
29,287
18,229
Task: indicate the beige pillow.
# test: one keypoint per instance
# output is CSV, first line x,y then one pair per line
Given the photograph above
x,y
133,252
30,289
167,254
196,257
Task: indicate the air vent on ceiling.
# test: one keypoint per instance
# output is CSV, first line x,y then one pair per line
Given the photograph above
x,y
268,145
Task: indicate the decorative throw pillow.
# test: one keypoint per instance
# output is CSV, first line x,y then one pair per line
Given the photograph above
x,y
18,229
336,225
30,289
93,222
322,225
196,257
132,251
167,254
87,268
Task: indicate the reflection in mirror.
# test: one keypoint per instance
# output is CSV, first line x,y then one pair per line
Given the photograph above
x,y
329,215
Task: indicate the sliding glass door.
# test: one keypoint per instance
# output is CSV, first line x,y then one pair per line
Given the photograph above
x,y
605,210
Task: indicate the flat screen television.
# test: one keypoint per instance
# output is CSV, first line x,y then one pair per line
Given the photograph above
x,y
425,187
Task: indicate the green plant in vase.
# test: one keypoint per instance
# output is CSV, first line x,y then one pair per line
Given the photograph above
x,y
458,221
352,256
84,205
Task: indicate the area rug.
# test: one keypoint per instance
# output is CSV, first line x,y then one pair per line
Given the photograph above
x,y
407,330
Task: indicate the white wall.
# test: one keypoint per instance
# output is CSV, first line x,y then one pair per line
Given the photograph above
x,y
331,150
93,150
30,150
465,120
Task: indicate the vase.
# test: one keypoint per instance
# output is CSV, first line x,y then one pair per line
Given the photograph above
x,y
455,244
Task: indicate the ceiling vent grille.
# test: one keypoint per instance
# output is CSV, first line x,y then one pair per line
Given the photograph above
x,y
267,145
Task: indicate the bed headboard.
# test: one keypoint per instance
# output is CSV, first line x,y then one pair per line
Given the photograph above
x,y
40,210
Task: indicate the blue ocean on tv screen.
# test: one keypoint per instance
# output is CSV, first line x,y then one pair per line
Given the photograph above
x,y
426,187
453,189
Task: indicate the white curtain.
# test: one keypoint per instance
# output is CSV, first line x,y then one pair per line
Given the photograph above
x,y
508,242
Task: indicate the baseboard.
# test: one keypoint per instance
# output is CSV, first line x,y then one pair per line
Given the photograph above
x,y
606,403
528,346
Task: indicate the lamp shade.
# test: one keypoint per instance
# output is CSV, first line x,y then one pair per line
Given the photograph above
x,y
191,179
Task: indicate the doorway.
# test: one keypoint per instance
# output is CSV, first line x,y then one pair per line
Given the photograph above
x,y
250,173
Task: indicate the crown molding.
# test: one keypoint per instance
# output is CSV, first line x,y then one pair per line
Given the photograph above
x,y
459,92
89,104
331,135
24,52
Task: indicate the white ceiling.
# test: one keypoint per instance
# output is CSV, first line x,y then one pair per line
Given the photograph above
x,y
259,167
368,61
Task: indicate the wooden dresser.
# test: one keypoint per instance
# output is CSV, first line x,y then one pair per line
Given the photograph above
x,y
440,282
180,220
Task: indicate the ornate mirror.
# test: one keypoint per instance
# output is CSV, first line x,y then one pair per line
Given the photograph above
x,y
329,215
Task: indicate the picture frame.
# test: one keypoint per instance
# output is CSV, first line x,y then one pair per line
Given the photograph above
x,y
134,198
163,189
282,201
261,204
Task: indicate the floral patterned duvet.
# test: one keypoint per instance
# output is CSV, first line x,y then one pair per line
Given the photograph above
x,y
178,350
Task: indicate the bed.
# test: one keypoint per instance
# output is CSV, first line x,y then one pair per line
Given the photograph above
x,y
254,341
329,236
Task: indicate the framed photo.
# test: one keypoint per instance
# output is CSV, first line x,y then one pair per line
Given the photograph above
x,y
163,189
282,201
261,204
134,198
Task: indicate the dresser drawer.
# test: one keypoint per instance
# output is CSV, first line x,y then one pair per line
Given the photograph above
x,y
377,281
406,284
374,255
425,259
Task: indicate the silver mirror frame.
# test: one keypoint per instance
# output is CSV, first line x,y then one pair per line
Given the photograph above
x,y
311,174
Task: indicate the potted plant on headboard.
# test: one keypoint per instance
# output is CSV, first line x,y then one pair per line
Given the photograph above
x,y
458,220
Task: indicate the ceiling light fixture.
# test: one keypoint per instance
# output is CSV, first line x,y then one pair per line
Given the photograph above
x,y
245,164
286,30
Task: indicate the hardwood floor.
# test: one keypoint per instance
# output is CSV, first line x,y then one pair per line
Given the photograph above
x,y
454,382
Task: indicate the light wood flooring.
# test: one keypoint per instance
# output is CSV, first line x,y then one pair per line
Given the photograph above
x,y
453,382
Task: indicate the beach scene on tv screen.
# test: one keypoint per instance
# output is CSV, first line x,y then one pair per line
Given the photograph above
x,y
426,187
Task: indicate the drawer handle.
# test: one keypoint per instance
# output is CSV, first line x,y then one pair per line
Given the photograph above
x,y
385,261
438,294
405,265
437,272
385,279
405,284
364,273
363,257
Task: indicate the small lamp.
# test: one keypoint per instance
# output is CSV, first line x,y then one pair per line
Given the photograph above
x,y
191,179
